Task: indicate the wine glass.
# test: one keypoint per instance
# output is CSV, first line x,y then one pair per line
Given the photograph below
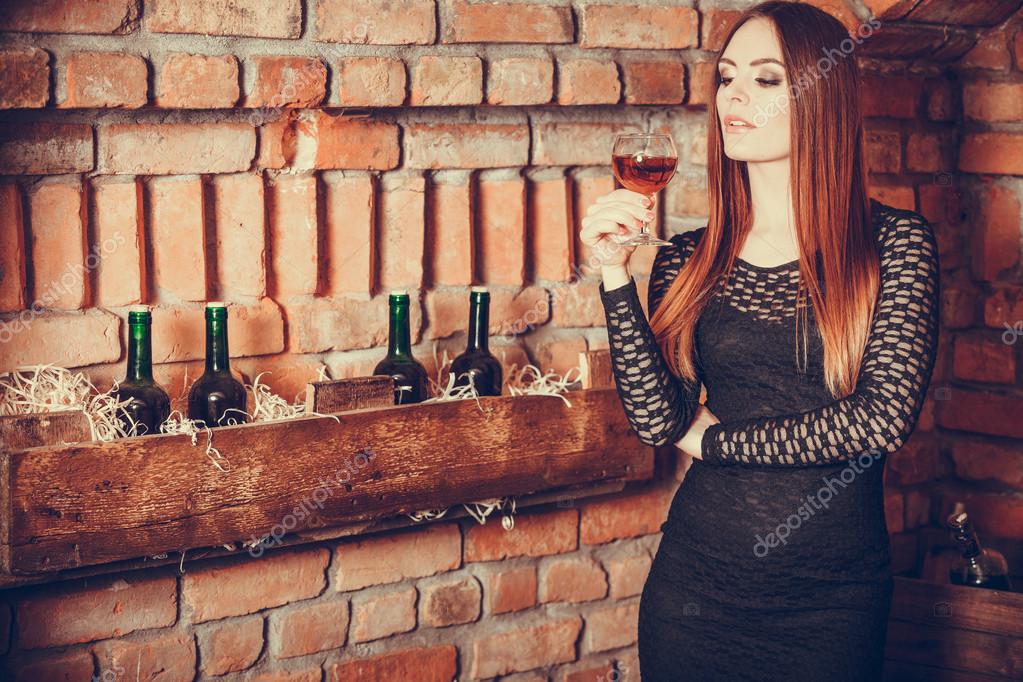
x,y
644,163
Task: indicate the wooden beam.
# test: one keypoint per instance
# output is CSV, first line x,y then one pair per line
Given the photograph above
x,y
341,395
95,503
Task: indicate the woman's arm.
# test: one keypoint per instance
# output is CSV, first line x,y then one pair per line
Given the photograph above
x,y
659,405
882,412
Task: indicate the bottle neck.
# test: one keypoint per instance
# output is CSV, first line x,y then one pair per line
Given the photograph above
x,y
399,342
140,352
217,359
969,543
479,324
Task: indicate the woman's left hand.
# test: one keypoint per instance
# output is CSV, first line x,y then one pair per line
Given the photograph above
x,y
691,442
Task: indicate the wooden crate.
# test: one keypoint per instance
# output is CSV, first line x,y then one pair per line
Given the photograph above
x,y
67,506
942,632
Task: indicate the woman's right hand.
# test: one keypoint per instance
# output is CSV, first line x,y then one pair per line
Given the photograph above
x,y
619,212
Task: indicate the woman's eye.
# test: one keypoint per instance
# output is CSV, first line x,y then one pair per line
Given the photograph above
x,y
765,82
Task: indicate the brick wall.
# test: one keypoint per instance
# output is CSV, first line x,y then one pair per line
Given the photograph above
x,y
299,163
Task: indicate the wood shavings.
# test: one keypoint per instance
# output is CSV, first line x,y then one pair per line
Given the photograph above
x,y
268,406
48,388
550,383
178,423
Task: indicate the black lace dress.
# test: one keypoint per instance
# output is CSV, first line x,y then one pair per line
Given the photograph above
x,y
774,563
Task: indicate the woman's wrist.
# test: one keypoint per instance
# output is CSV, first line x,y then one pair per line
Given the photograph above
x,y
614,276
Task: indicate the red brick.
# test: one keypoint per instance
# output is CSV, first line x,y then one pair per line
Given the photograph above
x,y
428,550
444,81
611,627
917,505
165,148
688,197
24,78
99,608
169,656
1004,308
702,87
381,614
572,579
197,81
117,225
918,461
893,511
343,323
61,16
525,647
991,52
256,329
293,228
552,241
898,197
509,589
627,574
58,246
534,534
349,249
586,190
980,461
511,310
278,140
56,667
993,102
507,23
981,412
436,664
402,235
239,216
996,239
577,304
462,145
501,234
884,152
595,672
175,215
45,148
231,646
654,82
449,233
994,153
251,18
890,96
987,359
95,338
588,81
309,628
313,673
1017,49
624,516
227,589
376,22
286,375
105,79
573,144
641,27
929,153
716,25
287,82
941,99
353,143
371,82
520,80
558,352
12,249
450,602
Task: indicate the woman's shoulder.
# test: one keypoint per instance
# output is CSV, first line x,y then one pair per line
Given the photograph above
x,y
899,230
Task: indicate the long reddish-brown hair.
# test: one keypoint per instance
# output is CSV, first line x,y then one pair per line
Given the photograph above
x,y
830,202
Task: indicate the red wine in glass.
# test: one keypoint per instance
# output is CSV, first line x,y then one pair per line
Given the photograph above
x,y
644,163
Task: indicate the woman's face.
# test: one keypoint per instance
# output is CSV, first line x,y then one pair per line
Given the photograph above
x,y
752,85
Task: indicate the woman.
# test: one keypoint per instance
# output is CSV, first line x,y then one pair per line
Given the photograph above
x,y
810,313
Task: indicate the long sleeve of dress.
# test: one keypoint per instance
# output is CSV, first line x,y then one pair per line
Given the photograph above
x,y
881,413
659,405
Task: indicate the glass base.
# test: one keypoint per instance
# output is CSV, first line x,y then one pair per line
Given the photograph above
x,y
642,239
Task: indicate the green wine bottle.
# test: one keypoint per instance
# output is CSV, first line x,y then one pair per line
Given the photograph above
x,y
148,404
410,380
217,398
477,359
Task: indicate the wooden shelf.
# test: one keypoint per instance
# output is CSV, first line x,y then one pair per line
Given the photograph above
x,y
86,504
